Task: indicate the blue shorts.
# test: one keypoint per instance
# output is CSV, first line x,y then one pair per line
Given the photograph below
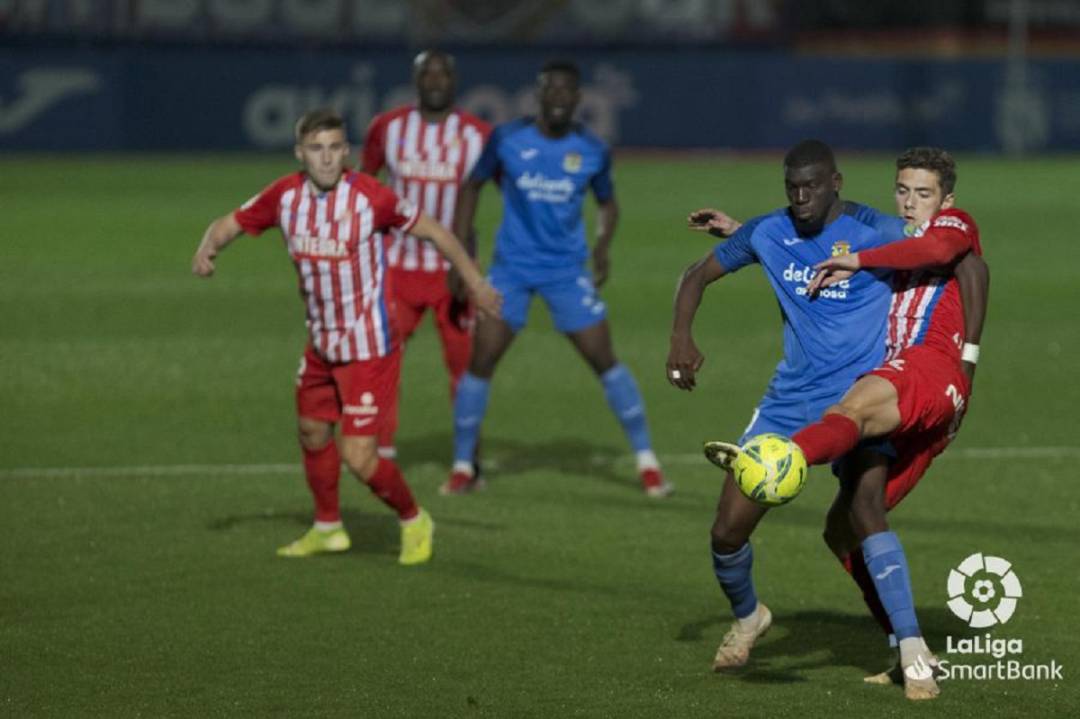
x,y
788,416
571,299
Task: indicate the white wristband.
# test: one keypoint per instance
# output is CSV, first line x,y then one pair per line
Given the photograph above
x,y
970,353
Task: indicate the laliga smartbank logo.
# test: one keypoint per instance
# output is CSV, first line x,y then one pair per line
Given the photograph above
x,y
983,592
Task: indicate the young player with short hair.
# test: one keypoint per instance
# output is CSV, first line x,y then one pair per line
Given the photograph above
x,y
329,217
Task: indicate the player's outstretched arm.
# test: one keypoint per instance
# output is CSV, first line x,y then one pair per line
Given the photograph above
x,y
716,222
487,299
607,217
973,277
221,232
684,358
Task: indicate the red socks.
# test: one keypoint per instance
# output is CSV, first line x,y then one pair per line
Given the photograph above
x,y
389,485
828,440
856,567
323,469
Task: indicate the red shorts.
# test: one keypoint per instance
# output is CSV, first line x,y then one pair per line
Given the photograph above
x,y
914,454
358,394
932,393
414,292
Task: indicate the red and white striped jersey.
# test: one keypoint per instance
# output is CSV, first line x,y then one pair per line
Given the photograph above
x,y
333,240
426,162
926,306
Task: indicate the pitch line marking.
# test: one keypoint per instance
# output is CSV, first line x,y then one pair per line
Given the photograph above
x,y
185,470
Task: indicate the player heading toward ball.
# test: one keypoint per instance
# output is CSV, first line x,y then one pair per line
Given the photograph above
x,y
349,371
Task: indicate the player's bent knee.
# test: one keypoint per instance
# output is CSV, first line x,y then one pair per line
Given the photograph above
x,y
314,434
360,456
726,539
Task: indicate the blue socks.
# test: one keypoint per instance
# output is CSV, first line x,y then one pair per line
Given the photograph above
x,y
470,404
888,568
625,401
733,573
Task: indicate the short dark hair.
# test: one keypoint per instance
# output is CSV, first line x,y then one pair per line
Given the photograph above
x,y
324,118
567,66
934,159
810,152
424,55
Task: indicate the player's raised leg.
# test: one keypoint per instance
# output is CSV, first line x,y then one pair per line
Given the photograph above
x,y
624,399
733,560
491,339
869,409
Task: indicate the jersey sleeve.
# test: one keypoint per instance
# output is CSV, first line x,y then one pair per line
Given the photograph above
x,y
602,186
261,211
891,227
391,210
373,157
737,252
488,165
948,237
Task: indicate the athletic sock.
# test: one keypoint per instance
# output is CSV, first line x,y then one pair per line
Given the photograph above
x,y
828,439
389,485
322,467
855,565
625,401
646,459
328,526
733,573
469,408
887,565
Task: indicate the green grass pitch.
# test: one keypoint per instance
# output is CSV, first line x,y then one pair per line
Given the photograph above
x,y
145,584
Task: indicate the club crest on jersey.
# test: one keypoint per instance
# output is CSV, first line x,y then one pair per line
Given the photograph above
x,y
841,248
571,162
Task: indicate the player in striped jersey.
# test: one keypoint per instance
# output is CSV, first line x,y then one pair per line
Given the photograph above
x,y
330,217
427,149
933,315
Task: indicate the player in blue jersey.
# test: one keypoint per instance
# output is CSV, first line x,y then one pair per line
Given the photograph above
x,y
828,344
544,167
873,479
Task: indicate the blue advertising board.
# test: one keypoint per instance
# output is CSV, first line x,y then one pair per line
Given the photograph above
x,y
194,98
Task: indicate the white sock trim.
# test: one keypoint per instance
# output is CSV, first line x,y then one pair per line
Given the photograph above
x,y
328,526
462,466
646,459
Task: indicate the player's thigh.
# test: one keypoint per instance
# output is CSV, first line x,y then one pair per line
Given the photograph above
x,y
491,338
931,389
594,344
736,518
914,456
317,401
573,302
863,475
455,324
872,402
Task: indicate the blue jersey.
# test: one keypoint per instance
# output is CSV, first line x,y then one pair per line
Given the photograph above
x,y
832,340
543,182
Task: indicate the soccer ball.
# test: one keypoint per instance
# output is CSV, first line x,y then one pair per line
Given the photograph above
x,y
770,469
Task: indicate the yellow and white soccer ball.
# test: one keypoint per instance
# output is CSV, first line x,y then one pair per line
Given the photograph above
x,y
770,469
